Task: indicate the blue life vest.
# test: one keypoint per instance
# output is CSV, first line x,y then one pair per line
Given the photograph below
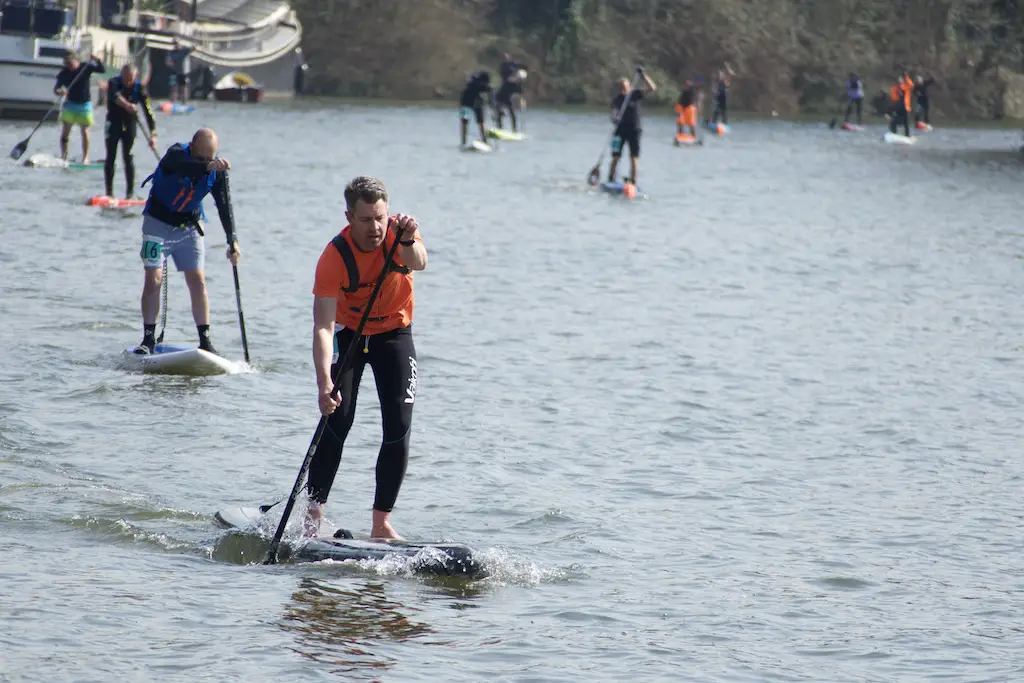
x,y
178,193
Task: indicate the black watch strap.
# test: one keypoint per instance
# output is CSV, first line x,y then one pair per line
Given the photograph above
x,y
407,244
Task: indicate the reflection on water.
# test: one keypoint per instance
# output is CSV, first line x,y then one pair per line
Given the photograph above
x,y
343,627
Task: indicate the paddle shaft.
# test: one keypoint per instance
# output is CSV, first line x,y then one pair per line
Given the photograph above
x,y
149,134
241,318
596,171
275,543
163,306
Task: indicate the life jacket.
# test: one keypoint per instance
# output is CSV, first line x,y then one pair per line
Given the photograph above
x,y
349,259
855,89
894,94
178,193
907,86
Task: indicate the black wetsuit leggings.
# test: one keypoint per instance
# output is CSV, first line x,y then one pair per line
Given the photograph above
x,y
900,115
850,106
124,134
721,111
503,100
392,357
924,109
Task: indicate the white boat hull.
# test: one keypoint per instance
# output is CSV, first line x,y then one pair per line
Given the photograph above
x,y
28,72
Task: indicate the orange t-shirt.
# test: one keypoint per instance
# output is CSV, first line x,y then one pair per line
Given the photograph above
x,y
393,306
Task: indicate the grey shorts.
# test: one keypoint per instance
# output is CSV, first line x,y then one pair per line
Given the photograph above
x,y
184,245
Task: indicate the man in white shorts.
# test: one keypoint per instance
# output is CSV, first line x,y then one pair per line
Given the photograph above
x,y
172,226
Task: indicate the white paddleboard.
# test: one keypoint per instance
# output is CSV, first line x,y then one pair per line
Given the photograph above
x,y
477,146
897,139
179,360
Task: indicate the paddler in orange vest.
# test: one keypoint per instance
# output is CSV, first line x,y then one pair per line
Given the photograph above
x,y
345,277
686,108
901,95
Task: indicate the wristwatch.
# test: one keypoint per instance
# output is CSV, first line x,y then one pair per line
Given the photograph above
x,y
407,244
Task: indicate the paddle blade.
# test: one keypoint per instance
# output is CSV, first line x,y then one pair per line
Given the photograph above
x,y
595,175
19,149
832,123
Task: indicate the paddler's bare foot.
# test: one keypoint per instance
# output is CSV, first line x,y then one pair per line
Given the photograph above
x,y
311,522
382,528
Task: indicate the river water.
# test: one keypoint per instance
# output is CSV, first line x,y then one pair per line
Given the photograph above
x,y
763,425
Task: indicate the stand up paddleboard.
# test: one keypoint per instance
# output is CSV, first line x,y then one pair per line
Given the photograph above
x,y
176,108
106,202
477,146
921,125
447,559
686,140
621,189
502,134
179,360
716,128
852,127
897,139
49,161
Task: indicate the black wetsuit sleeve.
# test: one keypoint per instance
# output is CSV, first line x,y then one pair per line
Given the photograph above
x,y
222,197
95,67
177,162
113,89
62,80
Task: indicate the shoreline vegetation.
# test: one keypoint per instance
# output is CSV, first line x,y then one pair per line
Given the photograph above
x,y
789,56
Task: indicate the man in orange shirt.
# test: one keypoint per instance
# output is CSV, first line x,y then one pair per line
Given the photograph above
x,y
345,277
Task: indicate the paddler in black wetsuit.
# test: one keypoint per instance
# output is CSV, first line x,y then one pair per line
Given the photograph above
x,y
511,85
471,103
125,96
924,107
627,128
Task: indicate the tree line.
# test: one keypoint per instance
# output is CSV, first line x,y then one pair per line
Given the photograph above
x,y
790,56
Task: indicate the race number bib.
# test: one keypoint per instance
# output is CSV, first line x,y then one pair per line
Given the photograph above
x,y
152,252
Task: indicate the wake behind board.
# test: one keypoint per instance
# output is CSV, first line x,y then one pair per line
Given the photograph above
x,y
897,139
447,559
106,202
179,360
477,146
502,134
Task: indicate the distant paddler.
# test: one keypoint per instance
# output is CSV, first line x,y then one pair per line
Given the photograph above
x,y
475,95
687,113
901,97
171,227
625,114
512,75
125,97
74,84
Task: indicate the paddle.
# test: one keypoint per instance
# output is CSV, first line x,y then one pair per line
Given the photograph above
x,y
163,306
241,318
276,542
595,173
